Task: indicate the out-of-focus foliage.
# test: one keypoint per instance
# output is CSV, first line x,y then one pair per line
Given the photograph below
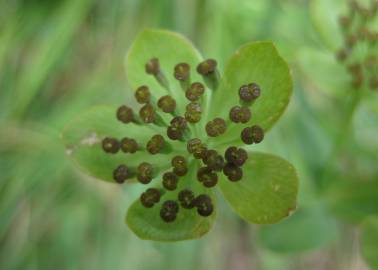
x,y
58,58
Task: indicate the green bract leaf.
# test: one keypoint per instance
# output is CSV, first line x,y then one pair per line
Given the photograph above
x,y
369,241
170,48
82,138
259,63
268,191
147,224
307,229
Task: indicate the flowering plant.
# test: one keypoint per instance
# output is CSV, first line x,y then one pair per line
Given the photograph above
x,y
195,130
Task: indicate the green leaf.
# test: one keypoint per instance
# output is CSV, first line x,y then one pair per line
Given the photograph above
x,y
260,63
353,200
306,229
82,138
147,224
170,48
324,15
369,241
268,191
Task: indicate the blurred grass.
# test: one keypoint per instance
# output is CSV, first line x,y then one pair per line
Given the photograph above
x,y
58,58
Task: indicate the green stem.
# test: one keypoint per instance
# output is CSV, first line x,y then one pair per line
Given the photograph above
x,y
341,137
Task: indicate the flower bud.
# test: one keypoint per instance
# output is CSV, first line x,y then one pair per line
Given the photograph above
x,y
147,113
195,91
142,94
145,173
344,21
236,156
204,205
249,93
240,114
207,67
110,145
153,66
179,123
342,55
216,127
254,134
374,83
174,133
192,117
129,145
182,72
170,181
213,160
186,198
171,206
125,114
195,147
169,211
121,173
167,104
155,144
180,165
233,172
207,177
150,197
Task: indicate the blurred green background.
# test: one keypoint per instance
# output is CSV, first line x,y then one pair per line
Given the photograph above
x,y
59,58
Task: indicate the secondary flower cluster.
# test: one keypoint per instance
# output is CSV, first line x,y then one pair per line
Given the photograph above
x,y
360,44
180,128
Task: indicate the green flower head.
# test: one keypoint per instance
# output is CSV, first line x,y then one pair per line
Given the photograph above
x,y
193,131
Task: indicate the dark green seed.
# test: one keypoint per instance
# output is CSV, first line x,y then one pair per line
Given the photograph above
x,y
186,198
170,181
207,67
125,114
110,145
182,71
167,215
180,166
121,173
147,113
167,104
216,127
195,91
142,94
240,114
129,145
213,160
233,172
236,156
145,173
153,66
155,144
249,93
254,134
